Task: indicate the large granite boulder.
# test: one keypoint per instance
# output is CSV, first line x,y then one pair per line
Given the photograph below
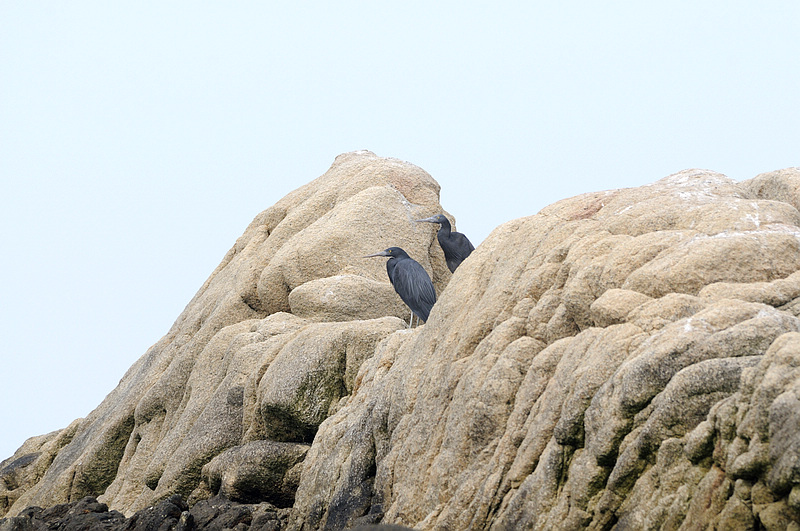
x,y
624,359
199,391
592,366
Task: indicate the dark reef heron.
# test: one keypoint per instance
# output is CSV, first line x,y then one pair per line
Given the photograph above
x,y
455,245
410,281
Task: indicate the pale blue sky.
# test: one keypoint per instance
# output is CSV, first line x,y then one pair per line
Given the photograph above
x,y
138,139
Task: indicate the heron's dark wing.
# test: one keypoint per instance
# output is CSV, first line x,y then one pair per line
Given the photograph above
x,y
456,249
414,286
465,246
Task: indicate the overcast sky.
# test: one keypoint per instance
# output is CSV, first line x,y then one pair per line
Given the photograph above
x,y
138,139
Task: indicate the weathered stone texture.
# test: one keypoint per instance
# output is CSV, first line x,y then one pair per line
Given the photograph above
x,y
573,366
199,390
625,359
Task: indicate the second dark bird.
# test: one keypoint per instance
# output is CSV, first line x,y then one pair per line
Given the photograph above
x,y
455,245
410,281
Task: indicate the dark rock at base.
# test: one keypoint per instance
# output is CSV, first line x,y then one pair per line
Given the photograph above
x,y
171,514
381,527
87,514
163,516
21,523
221,513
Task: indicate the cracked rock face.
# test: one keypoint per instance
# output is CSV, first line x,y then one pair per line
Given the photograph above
x,y
624,359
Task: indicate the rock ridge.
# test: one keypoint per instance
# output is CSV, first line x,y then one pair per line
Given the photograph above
x,y
623,359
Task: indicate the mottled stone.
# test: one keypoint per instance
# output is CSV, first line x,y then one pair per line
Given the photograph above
x,y
627,358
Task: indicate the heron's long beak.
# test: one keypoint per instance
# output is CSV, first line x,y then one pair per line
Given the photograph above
x,y
429,220
382,253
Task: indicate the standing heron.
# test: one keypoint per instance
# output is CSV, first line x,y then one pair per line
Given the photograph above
x,y
410,281
455,245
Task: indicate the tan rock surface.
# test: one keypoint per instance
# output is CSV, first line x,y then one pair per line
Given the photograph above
x,y
623,359
346,298
256,471
195,393
566,369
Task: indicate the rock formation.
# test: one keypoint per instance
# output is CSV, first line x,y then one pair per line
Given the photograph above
x,y
627,359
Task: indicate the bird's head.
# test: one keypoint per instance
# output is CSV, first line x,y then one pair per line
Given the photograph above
x,y
438,218
390,252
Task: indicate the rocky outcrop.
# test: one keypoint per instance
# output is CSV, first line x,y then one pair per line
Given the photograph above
x,y
236,367
588,367
624,359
